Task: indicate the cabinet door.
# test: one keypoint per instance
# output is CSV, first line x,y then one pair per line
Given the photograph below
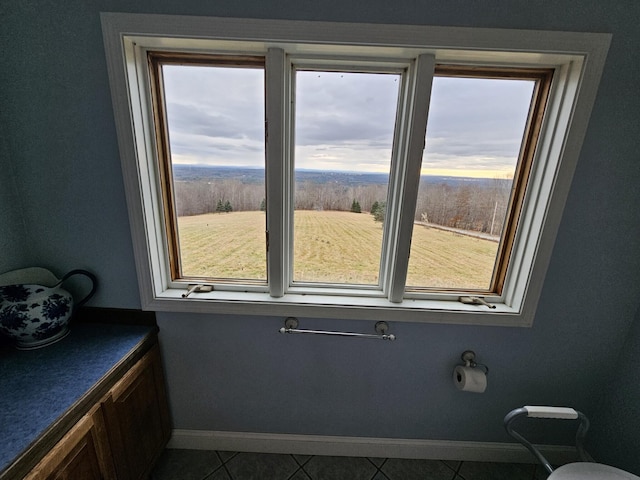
x,y
137,418
82,454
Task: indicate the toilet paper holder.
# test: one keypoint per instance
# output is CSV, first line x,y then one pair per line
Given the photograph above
x,y
472,376
469,359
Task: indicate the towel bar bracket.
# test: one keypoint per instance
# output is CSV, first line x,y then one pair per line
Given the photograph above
x,y
291,322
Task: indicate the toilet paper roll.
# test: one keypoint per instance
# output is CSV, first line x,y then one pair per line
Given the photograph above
x,y
469,379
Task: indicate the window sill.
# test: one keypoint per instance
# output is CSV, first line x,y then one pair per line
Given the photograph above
x,y
340,307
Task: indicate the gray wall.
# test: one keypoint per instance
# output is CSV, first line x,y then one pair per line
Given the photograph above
x,y
615,433
237,373
13,249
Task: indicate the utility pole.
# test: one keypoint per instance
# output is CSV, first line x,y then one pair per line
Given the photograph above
x,y
493,220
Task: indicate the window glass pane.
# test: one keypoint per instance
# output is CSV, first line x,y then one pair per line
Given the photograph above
x,y
215,123
344,124
474,136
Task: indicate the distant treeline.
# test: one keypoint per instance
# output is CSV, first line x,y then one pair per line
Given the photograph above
x,y
469,204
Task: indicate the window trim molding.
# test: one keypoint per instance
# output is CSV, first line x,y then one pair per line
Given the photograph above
x,y
578,58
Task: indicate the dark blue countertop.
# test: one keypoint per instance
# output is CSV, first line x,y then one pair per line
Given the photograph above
x,y
37,387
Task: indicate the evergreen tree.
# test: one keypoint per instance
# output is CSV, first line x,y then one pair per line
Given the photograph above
x,y
263,205
219,206
355,206
380,212
227,207
374,207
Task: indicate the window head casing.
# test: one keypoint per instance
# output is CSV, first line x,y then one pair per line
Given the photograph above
x,y
562,68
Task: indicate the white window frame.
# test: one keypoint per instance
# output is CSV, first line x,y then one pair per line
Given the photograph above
x,y
578,60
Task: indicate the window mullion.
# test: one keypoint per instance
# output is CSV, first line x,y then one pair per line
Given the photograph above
x,y
276,82
412,131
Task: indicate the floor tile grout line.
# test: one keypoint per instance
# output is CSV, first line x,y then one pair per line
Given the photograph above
x,y
454,470
379,468
295,472
224,464
233,455
220,467
214,469
302,464
458,475
381,473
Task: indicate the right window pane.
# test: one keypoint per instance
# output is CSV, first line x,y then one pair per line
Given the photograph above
x,y
480,138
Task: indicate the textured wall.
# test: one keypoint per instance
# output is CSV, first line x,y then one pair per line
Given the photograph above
x,y
616,421
13,248
236,373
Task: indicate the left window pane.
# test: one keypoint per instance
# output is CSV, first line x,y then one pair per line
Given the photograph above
x,y
213,149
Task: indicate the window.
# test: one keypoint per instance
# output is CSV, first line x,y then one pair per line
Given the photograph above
x,y
482,132
344,126
210,111
343,170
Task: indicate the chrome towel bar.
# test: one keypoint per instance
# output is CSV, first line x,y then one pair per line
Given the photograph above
x,y
291,326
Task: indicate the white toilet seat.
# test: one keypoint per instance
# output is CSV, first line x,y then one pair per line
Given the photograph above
x,y
590,471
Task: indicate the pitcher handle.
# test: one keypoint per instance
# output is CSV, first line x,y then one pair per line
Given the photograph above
x,y
94,284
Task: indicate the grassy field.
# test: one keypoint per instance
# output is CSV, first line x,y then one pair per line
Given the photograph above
x,y
341,247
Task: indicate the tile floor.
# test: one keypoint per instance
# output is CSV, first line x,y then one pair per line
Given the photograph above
x,y
212,465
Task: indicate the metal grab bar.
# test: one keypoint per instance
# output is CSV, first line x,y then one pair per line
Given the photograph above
x,y
539,412
291,326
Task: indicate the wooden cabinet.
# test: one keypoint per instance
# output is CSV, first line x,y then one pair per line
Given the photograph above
x,y
121,437
83,453
137,418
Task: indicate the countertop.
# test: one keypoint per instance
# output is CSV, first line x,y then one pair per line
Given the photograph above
x,y
39,387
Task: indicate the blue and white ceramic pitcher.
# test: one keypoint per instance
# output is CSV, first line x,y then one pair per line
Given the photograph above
x,y
34,308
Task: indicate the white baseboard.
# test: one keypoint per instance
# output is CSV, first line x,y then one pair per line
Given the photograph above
x,y
365,447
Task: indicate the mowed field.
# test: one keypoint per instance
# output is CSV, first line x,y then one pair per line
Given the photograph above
x,y
338,247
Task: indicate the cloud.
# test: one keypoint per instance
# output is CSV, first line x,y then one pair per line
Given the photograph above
x,y
356,157
215,115
343,121
199,120
471,117
344,108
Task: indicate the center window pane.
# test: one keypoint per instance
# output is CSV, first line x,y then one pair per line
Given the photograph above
x,y
344,124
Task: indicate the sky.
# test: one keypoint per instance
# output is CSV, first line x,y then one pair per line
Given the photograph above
x,y
345,121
